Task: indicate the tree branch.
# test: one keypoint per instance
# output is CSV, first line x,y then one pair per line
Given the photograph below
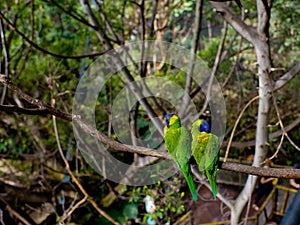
x,y
248,32
195,44
287,76
214,70
154,12
261,171
16,214
23,36
271,135
124,70
20,110
70,13
43,107
206,184
108,26
6,59
280,173
235,125
77,182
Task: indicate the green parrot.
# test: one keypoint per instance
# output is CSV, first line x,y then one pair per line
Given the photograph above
x,y
205,149
178,143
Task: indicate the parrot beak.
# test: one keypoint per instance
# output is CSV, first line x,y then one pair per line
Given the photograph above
x,y
165,129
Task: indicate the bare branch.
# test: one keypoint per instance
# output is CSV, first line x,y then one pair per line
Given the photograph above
x,y
124,70
280,121
20,110
287,76
195,44
229,47
43,107
25,59
70,13
6,58
235,125
214,70
261,171
16,214
283,173
108,26
23,36
76,181
248,32
238,2
275,134
220,196
233,67
154,12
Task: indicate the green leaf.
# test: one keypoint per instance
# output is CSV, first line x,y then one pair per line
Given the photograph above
x,y
130,211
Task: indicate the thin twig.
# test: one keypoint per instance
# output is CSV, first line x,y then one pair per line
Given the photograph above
x,y
277,150
23,36
234,64
70,13
214,70
284,79
108,25
76,181
235,125
16,214
202,180
6,59
275,134
72,208
229,47
279,118
195,44
25,58
1,217
65,216
124,70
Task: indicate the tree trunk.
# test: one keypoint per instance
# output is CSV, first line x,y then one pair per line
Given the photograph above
x,y
262,51
261,141
260,40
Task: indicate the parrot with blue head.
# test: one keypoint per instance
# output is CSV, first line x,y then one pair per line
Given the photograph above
x,y
205,150
178,144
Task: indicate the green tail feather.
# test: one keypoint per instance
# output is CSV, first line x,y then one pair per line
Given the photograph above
x,y
192,187
212,178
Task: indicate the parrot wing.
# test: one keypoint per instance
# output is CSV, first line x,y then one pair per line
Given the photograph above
x,y
195,130
205,150
178,143
183,155
199,144
212,162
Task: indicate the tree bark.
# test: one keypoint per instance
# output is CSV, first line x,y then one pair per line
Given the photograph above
x,y
261,141
262,51
260,40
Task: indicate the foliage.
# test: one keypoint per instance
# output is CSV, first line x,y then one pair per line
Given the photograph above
x,y
27,142
165,195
